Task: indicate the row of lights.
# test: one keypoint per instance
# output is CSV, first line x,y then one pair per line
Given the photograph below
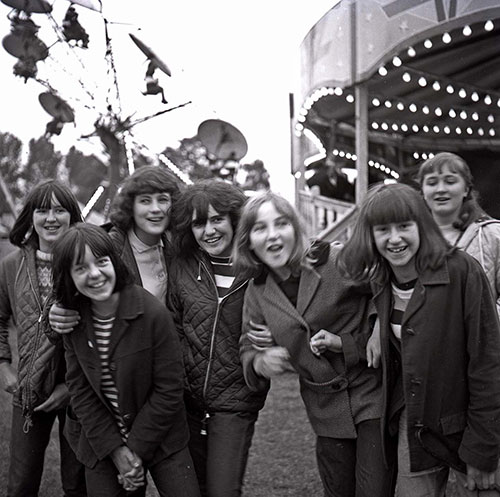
x,y
447,130
428,44
422,156
438,111
376,164
424,79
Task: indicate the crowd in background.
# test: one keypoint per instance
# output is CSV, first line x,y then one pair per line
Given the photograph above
x,y
154,338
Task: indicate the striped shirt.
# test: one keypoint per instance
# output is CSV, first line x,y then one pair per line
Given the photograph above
x,y
224,274
102,331
401,296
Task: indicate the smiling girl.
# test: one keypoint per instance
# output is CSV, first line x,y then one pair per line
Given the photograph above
x,y
447,185
318,323
440,343
124,373
206,297
37,387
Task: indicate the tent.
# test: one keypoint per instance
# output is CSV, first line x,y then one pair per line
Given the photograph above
x,y
386,83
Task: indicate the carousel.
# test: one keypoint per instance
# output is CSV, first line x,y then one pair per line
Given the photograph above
x,y
386,84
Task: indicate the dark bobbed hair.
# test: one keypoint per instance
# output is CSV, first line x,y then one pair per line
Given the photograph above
x,y
146,179
223,197
471,210
360,260
244,257
40,197
70,248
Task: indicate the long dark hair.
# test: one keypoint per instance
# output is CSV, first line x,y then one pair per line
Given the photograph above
x,y
70,248
40,197
223,197
360,260
470,211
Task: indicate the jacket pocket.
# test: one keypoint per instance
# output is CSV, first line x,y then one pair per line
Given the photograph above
x,y
336,384
453,423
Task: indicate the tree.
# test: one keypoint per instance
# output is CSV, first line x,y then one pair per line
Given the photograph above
x,y
11,149
43,163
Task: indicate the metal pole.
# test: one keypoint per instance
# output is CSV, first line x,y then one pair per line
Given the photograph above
x,y
361,117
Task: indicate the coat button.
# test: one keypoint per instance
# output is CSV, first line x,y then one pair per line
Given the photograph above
x,y
410,331
416,381
112,366
126,417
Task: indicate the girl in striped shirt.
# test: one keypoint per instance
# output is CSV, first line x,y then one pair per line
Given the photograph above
x,y
124,373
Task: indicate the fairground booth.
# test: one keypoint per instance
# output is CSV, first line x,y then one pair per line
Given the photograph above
x,y
387,83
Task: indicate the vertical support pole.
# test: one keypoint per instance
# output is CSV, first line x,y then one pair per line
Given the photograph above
x,y
361,117
297,163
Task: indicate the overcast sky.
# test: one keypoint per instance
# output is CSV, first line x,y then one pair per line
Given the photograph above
x,y
235,61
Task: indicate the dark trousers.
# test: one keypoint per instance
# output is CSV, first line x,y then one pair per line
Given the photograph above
x,y
27,454
354,467
220,457
173,476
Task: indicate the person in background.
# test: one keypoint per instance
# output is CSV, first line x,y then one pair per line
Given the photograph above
x,y
447,186
439,341
124,374
319,325
38,390
330,181
140,220
206,297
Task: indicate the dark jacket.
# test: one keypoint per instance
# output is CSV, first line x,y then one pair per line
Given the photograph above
x,y
338,389
41,363
210,331
146,364
450,350
122,246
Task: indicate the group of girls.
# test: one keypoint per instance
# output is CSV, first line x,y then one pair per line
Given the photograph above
x,y
177,392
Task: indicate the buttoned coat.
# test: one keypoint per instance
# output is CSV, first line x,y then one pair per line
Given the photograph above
x,y
146,364
338,389
450,353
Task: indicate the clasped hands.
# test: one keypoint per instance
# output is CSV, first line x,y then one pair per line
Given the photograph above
x,y
129,465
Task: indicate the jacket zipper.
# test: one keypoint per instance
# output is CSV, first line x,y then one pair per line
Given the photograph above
x,y
27,411
206,415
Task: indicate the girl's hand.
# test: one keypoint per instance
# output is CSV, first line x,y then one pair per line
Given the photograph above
x,y
373,347
129,465
8,377
260,336
323,341
480,480
58,399
272,361
63,320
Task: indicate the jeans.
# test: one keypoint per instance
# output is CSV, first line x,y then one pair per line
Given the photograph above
x,y
220,457
27,454
173,476
354,467
428,483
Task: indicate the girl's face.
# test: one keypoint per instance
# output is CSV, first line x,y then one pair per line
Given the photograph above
x,y
95,278
398,243
50,224
151,216
215,235
272,238
444,193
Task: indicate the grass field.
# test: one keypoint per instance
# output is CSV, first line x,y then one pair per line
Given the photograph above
x,y
281,463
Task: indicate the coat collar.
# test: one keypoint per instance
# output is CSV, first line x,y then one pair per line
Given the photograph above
x,y
131,305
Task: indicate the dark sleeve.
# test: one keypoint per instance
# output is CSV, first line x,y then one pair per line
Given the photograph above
x,y
97,422
165,402
251,312
480,445
5,312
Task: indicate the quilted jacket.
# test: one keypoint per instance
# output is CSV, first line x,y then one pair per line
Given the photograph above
x,y
482,240
41,363
209,331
